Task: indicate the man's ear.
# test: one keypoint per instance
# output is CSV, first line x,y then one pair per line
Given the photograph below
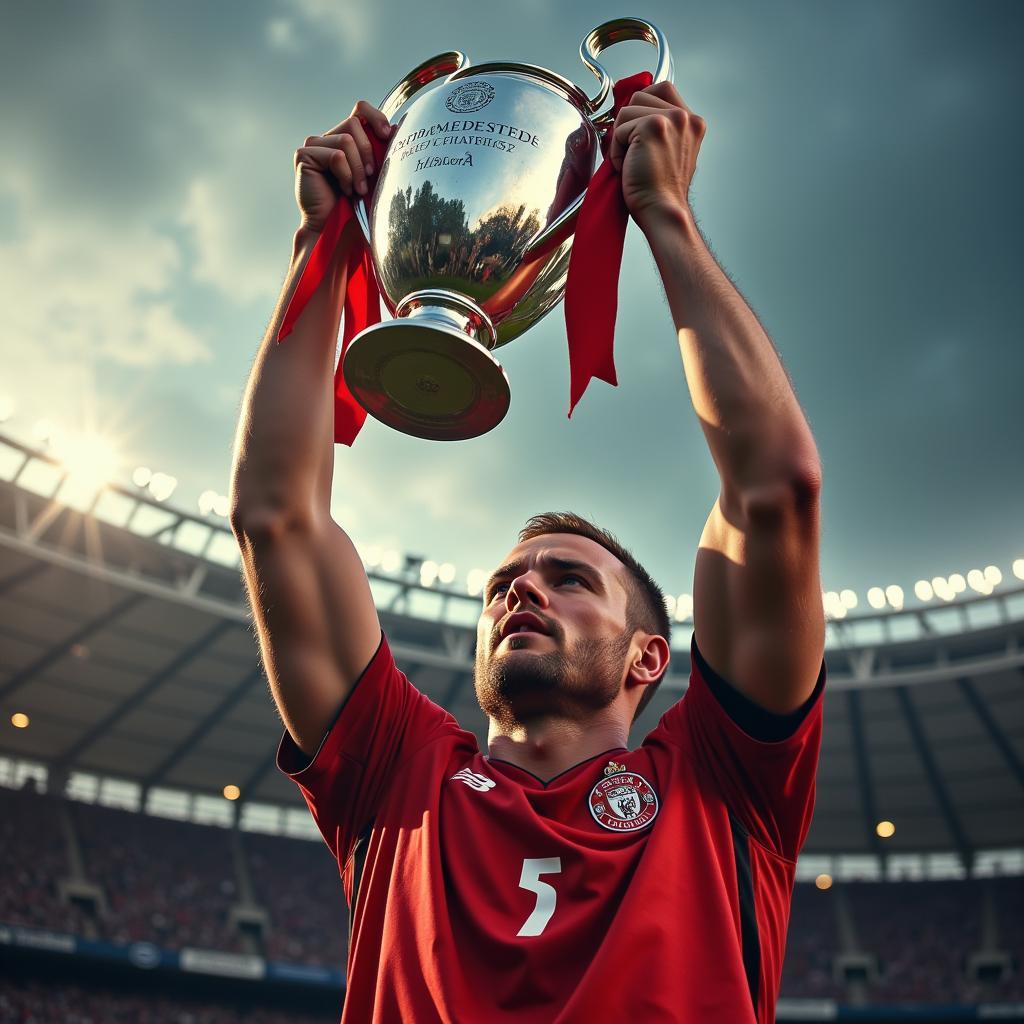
x,y
651,660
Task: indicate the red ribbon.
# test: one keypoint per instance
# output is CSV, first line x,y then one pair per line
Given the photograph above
x,y
362,296
591,293
592,285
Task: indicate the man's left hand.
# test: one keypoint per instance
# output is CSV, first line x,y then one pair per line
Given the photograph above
x,y
654,148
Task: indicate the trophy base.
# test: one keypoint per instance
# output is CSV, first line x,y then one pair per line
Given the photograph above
x,y
433,382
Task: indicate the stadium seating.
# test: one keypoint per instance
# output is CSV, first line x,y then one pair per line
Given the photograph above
x,y
167,882
31,1002
175,884
811,944
922,934
299,885
33,860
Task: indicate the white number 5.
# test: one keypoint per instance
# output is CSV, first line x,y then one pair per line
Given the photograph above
x,y
533,868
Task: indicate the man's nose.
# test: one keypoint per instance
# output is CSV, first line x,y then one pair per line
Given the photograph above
x,y
525,589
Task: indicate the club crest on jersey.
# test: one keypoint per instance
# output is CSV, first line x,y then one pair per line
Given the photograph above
x,y
623,801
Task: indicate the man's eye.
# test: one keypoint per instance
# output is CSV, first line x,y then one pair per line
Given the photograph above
x,y
568,576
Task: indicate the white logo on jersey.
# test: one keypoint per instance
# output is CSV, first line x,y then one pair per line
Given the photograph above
x,y
478,782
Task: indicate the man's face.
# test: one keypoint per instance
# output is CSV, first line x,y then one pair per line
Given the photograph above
x,y
571,594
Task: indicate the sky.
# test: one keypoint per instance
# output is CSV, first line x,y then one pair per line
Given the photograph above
x,y
859,181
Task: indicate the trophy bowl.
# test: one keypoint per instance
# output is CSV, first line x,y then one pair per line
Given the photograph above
x,y
470,228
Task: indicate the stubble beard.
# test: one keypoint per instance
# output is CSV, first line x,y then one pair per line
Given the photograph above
x,y
522,685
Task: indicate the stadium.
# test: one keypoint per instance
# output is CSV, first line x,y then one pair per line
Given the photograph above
x,y
156,867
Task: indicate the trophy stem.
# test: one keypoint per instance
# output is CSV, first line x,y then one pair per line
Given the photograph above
x,y
429,373
458,311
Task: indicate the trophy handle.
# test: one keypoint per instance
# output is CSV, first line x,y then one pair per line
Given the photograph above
x,y
616,31
401,92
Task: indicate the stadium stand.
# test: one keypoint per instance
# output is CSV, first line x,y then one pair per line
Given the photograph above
x,y
175,884
307,917
35,1002
811,946
167,882
922,934
33,861
130,878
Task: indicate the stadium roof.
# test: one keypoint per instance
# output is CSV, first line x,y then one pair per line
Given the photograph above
x,y
126,640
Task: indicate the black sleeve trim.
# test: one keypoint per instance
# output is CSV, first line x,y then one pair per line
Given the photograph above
x,y
750,936
359,860
756,721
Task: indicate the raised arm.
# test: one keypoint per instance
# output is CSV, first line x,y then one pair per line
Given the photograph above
x,y
311,600
757,606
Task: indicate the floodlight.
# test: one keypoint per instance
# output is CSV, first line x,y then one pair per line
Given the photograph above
x,y
849,599
1018,568
993,575
475,582
446,572
876,597
161,486
924,590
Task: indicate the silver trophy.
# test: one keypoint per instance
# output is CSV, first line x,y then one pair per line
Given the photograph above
x,y
470,227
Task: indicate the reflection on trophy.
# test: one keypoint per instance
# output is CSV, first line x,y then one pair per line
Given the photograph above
x,y
470,227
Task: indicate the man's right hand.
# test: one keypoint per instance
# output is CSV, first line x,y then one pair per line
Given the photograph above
x,y
338,162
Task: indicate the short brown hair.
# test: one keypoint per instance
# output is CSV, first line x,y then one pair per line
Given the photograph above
x,y
645,605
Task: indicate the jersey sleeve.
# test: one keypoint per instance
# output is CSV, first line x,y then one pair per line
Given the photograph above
x,y
383,721
762,764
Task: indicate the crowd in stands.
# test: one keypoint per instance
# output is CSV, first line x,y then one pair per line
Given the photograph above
x,y
34,1003
922,938
175,884
300,886
33,860
1010,908
167,882
811,943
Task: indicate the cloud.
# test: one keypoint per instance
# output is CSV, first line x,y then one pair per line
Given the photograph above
x,y
348,23
281,35
77,286
229,235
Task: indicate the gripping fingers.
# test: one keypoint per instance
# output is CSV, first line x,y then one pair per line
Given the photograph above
x,y
345,151
330,160
368,114
354,163
651,119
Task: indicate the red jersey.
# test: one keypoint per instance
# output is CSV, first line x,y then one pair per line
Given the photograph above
x,y
651,885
